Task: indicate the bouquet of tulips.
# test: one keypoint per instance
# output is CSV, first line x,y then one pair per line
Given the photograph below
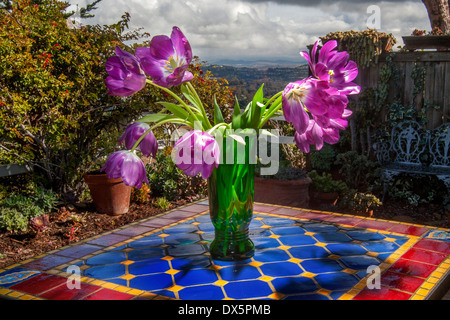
x,y
316,106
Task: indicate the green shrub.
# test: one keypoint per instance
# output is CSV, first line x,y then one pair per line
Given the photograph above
x,y
12,220
359,201
325,183
358,171
163,203
323,159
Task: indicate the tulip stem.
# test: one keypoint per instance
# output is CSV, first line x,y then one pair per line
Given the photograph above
x,y
187,107
200,103
148,131
276,105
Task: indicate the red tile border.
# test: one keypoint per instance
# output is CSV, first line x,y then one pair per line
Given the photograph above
x,y
313,215
426,256
400,281
64,293
433,245
108,294
158,222
180,215
412,268
287,212
40,283
78,251
378,225
345,220
134,230
46,263
409,230
263,208
195,208
381,294
108,239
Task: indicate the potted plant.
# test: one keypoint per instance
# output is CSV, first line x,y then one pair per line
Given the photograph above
x,y
435,39
110,196
288,187
324,188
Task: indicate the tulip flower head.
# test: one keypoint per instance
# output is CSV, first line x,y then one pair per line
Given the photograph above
x,y
125,74
148,145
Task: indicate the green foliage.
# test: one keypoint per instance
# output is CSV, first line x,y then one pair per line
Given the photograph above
x,y
359,201
417,191
17,209
166,180
163,203
141,195
326,183
323,159
358,171
55,112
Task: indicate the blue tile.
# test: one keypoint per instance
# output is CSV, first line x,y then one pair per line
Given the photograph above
x,y
208,236
247,289
205,227
182,238
281,269
380,246
181,228
255,223
195,277
107,258
277,221
186,250
231,263
193,262
118,281
148,241
361,262
321,265
363,235
346,249
145,254
152,282
297,240
165,293
320,227
330,237
337,294
271,255
284,231
384,256
336,280
105,271
294,285
259,232
265,243
206,292
148,267
203,218
239,272
308,252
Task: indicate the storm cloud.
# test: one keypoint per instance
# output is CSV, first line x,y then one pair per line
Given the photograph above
x,y
259,29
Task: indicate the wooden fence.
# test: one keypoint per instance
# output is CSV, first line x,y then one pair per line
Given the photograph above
x,y
436,85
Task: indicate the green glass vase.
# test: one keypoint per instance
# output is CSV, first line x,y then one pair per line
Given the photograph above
x,y
230,192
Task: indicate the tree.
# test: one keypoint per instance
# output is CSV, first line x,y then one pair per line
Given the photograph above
x,y
55,113
438,13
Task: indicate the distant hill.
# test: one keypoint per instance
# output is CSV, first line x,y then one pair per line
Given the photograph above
x,y
245,81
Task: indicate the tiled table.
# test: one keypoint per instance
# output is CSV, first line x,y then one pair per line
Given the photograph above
x,y
300,254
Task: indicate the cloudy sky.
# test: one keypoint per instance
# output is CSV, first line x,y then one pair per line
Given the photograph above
x,y
259,29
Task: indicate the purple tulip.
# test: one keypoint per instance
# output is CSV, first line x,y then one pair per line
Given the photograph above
x,y
307,94
196,152
125,75
128,166
334,67
167,59
148,145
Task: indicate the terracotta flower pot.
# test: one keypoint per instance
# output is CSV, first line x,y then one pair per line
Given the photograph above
x,y
110,196
293,193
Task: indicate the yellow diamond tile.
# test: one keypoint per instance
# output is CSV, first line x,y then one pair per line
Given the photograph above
x,y
135,292
334,256
256,264
265,227
127,262
389,239
214,267
372,254
127,277
284,247
266,278
195,223
175,288
309,233
345,297
351,271
295,260
274,236
308,274
320,244
324,292
167,258
172,271
220,283
163,235
276,296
